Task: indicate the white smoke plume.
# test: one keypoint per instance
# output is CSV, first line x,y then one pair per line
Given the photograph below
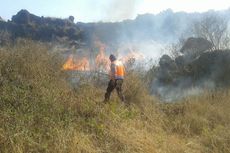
x,y
118,10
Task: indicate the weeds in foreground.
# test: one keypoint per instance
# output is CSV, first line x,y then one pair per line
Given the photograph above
x,y
41,112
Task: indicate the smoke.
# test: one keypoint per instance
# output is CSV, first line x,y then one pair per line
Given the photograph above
x,y
182,88
118,10
152,49
149,35
176,79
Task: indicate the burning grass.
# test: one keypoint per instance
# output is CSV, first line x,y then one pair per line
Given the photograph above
x,y
41,112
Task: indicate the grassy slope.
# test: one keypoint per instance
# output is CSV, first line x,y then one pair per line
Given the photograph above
x,y
40,112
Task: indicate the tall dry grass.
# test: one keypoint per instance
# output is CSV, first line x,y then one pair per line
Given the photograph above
x,y
41,112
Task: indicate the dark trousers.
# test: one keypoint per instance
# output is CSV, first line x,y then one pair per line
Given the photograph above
x,y
111,86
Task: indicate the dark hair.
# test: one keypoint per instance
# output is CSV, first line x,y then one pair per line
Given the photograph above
x,y
112,57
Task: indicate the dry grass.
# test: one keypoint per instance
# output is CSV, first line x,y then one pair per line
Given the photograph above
x,y
41,112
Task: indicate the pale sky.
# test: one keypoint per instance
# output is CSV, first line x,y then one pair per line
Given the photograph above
x,y
105,10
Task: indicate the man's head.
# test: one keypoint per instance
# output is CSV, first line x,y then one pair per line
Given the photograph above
x,y
112,58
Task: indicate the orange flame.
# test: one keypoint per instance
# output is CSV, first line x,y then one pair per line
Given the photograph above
x,y
102,61
80,65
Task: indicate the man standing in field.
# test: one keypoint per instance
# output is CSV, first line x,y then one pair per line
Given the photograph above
x,y
116,78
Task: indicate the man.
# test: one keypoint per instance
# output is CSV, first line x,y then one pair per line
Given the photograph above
x,y
116,78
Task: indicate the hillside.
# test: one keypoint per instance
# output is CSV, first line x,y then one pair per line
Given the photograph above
x,y
26,25
53,78
41,112
167,26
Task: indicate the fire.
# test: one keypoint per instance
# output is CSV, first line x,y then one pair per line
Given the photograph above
x,y
102,61
80,65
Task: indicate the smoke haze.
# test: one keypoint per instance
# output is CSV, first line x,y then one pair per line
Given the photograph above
x,y
118,10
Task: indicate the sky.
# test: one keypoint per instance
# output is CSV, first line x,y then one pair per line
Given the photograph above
x,y
105,10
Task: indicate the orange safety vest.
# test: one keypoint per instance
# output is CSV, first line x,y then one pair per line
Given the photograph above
x,y
119,70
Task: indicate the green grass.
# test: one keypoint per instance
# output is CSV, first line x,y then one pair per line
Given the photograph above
x,y
41,112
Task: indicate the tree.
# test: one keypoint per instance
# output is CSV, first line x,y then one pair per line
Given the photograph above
x,y
71,18
214,29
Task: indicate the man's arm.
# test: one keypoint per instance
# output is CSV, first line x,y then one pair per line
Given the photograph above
x,y
113,71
